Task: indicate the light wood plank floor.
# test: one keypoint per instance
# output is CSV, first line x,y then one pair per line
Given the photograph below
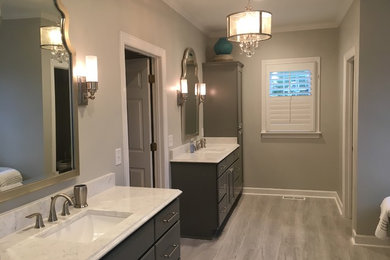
x,y
268,227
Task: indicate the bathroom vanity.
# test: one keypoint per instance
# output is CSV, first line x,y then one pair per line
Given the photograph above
x,y
119,223
211,181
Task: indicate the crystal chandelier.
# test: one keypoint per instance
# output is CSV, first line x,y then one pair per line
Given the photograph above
x,y
249,28
51,39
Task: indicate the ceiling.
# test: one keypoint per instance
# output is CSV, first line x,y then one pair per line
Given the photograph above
x,y
287,15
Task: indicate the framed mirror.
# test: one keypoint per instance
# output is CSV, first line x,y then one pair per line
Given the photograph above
x,y
190,108
38,105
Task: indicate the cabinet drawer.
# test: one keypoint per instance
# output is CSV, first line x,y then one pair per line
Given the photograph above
x,y
149,255
168,247
223,208
224,165
166,218
222,186
135,245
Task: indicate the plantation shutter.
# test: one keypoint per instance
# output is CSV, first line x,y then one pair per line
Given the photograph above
x,y
290,97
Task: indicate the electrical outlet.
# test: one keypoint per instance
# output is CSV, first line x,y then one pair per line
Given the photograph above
x,y
170,140
118,156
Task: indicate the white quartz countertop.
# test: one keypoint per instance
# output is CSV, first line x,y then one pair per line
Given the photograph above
x,y
142,203
213,153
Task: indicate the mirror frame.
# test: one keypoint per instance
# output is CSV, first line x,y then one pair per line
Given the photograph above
x,y
49,181
187,53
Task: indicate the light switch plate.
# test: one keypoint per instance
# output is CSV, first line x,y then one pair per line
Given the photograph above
x,y
118,156
170,140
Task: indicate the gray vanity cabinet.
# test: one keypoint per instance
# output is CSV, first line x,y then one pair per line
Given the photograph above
x,y
222,111
210,193
159,238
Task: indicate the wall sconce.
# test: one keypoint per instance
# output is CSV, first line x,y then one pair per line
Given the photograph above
x,y
182,93
201,89
88,84
51,39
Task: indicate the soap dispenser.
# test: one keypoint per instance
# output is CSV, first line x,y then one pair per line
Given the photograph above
x,y
192,147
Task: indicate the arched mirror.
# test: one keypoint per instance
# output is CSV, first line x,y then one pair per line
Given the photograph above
x,y
38,109
190,108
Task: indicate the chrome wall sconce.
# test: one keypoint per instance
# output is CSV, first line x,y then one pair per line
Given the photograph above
x,y
182,93
88,84
201,89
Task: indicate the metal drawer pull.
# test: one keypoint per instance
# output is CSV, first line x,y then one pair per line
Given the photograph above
x,y
222,167
174,214
173,251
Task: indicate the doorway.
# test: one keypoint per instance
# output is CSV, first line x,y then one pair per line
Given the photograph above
x,y
158,55
349,146
140,118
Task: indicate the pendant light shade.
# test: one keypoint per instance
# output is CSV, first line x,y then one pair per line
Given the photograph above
x,y
249,28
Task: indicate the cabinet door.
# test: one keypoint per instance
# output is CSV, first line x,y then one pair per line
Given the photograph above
x,y
149,255
135,245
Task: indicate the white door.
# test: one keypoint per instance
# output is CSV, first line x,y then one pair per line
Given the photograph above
x,y
139,122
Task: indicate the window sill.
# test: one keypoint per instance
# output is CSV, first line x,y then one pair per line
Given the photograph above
x,y
284,135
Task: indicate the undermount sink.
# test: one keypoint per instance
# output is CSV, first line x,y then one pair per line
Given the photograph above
x,y
213,150
87,227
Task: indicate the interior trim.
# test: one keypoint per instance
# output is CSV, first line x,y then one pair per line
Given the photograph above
x,y
291,192
312,135
131,42
371,241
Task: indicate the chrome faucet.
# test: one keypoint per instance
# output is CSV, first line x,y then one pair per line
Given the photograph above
x,y
53,213
198,145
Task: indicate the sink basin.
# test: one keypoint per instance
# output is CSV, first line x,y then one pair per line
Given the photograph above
x,y
87,227
212,150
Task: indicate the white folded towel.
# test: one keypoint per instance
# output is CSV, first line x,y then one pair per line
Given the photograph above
x,y
383,225
11,186
9,176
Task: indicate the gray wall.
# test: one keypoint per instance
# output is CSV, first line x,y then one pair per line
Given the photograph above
x,y
309,164
95,31
21,126
373,183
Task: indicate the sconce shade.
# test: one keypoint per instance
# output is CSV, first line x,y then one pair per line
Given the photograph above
x,y
91,69
203,89
184,86
51,37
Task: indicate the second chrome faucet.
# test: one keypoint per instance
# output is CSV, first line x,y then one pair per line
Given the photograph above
x,y
53,213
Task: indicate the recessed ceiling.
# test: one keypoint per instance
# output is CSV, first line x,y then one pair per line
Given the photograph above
x,y
287,15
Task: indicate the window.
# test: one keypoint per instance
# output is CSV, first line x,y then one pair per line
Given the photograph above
x,y
290,90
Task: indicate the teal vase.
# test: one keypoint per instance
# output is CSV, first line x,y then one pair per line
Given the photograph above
x,y
223,46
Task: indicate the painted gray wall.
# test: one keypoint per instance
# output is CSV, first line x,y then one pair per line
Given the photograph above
x,y
21,126
373,183
308,164
96,32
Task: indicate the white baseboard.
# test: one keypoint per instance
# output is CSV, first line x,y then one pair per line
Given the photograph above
x,y
306,193
371,241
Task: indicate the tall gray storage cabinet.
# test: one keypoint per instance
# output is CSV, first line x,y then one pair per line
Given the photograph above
x,y
222,110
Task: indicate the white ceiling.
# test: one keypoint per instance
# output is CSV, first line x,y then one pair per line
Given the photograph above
x,y
287,15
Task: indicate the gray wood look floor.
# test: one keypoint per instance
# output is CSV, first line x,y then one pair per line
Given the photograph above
x,y
268,227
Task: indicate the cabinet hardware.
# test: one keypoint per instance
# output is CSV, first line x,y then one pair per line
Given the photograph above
x,y
171,253
174,214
